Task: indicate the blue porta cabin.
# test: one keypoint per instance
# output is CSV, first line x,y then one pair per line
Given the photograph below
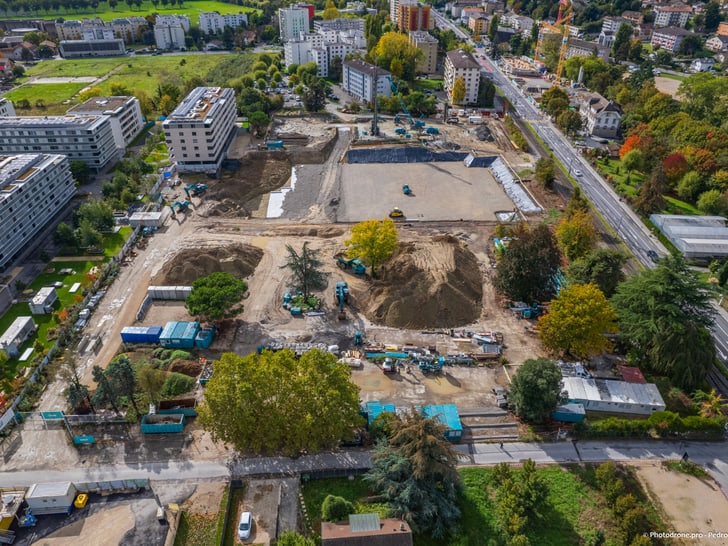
x,y
204,337
448,415
374,408
141,334
179,335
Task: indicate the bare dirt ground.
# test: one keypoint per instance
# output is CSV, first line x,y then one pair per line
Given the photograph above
x,y
692,505
106,527
668,86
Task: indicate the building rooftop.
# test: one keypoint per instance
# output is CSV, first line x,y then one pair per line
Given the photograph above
x,y
52,122
422,36
617,392
366,525
101,105
461,59
670,31
201,104
366,68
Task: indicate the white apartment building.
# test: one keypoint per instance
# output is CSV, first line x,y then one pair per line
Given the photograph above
x,y
292,21
169,31
212,22
125,116
86,138
128,28
601,117
6,108
201,128
364,81
459,64
339,24
668,38
171,20
102,33
672,16
425,42
33,189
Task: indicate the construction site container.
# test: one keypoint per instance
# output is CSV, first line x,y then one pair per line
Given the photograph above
x,y
42,302
274,144
141,334
51,498
569,413
475,119
153,219
19,331
185,406
179,334
374,408
204,338
169,292
448,415
163,424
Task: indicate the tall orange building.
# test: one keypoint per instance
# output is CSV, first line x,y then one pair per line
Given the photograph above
x,y
414,16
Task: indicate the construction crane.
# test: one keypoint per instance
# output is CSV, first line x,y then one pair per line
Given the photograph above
x,y
414,122
561,27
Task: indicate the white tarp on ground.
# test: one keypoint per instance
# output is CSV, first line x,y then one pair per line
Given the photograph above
x,y
276,198
505,177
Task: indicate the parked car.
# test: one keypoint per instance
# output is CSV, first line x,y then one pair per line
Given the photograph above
x,y
245,525
453,121
389,366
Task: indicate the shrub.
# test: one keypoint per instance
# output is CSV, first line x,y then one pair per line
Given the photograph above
x,y
178,353
177,384
336,508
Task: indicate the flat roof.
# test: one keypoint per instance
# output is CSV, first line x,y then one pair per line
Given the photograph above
x,y
102,105
52,122
389,526
49,489
201,103
607,390
461,59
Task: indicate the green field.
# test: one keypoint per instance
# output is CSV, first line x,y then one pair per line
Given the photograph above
x,y
191,8
134,73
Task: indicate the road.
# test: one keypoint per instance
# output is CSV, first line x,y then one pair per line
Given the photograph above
x,y
629,228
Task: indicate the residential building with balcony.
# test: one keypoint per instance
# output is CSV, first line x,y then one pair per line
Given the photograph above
x,y
364,81
125,116
427,43
459,64
672,16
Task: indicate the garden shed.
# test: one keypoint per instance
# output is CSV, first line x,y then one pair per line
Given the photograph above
x,y
42,302
179,335
614,396
19,331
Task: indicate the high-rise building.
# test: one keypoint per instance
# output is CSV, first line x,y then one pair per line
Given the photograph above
x,y
462,65
364,81
412,15
292,21
169,31
85,138
426,43
125,116
200,130
33,189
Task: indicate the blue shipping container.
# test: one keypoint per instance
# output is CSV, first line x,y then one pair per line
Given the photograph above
x,y
204,338
141,334
179,334
448,415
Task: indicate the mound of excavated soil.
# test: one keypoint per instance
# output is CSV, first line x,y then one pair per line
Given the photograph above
x,y
436,284
240,193
188,265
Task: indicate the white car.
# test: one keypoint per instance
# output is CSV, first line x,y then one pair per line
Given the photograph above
x,y
245,525
577,172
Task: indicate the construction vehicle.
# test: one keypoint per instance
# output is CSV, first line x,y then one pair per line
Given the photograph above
x,y
193,190
342,297
432,131
400,131
417,123
180,207
358,339
523,311
355,265
406,190
396,212
430,366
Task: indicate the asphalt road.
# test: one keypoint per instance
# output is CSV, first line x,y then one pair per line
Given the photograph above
x,y
616,213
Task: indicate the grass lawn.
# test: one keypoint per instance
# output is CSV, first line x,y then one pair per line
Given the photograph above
x,y
421,85
613,168
191,8
231,536
196,530
52,93
675,206
74,67
575,510
114,241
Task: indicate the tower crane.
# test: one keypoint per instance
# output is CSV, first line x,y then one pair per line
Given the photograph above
x,y
560,27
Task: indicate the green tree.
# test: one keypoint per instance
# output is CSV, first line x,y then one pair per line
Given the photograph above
x,y
372,241
314,98
258,121
493,30
216,296
712,17
64,236
122,378
545,173
336,508
570,329
77,393
105,394
87,235
664,315
458,90
486,93
652,193
602,267
622,42
527,269
536,389
691,185
577,202
306,269
291,538
289,395
416,474
712,202
98,214
394,45
554,101
80,171
570,122
576,234
331,11
151,381
633,160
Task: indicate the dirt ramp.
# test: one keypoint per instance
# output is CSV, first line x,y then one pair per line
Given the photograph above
x,y
190,264
432,284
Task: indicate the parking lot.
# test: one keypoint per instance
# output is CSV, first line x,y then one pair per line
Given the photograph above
x,y
440,191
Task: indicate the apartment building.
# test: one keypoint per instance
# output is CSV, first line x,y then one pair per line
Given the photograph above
x,y
339,24
672,16
412,15
85,138
212,22
668,38
125,28
129,29
33,189
426,43
6,108
364,81
321,47
459,64
200,130
75,49
169,31
292,21
125,116
601,117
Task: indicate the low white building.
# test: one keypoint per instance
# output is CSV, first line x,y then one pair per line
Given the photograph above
x,y
364,81
6,108
16,334
613,396
42,302
696,237
601,117
125,116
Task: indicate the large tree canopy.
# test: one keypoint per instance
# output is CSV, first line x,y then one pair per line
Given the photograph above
x,y
536,389
602,267
578,320
416,473
664,315
527,270
216,296
372,241
275,402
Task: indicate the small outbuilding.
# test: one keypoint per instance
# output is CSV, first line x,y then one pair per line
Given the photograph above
x,y
613,396
42,302
366,530
153,219
18,332
179,335
51,498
